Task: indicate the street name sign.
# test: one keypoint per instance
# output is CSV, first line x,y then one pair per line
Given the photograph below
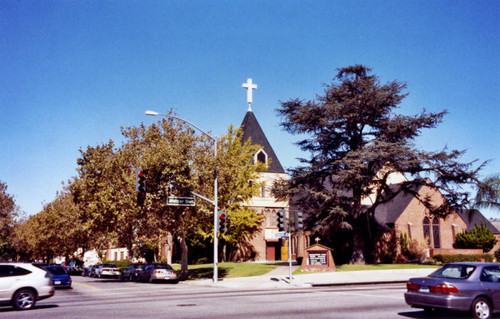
x,y
181,201
283,234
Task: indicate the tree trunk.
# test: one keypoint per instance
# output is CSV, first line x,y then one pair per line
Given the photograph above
x,y
358,252
184,251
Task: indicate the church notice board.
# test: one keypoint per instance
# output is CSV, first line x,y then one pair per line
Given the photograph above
x,y
318,258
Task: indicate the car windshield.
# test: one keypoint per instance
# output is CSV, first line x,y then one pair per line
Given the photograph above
x,y
109,265
56,270
454,271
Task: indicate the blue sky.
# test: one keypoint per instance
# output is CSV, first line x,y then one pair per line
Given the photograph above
x,y
73,72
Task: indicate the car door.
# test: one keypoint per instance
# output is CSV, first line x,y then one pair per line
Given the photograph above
x,y
10,276
490,281
6,281
148,271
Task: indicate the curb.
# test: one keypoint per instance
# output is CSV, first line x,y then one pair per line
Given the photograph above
x,y
364,283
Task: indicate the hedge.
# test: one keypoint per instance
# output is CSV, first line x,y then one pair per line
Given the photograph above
x,y
445,258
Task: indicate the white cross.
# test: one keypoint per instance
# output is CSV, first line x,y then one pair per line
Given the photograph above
x,y
249,86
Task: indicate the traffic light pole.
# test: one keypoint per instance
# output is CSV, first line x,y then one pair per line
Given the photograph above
x,y
213,202
290,256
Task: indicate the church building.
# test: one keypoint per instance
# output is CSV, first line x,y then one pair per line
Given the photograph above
x,y
267,245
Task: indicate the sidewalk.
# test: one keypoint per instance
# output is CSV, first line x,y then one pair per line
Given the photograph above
x,y
278,278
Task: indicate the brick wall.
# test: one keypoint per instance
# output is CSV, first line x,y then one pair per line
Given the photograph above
x,y
411,221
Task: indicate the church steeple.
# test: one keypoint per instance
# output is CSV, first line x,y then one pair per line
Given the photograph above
x,y
251,129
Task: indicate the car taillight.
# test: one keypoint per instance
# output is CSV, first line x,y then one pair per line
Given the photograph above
x,y
444,288
137,271
412,286
158,271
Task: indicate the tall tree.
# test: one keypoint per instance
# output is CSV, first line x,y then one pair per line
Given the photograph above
x,y
55,231
238,175
356,141
172,157
488,193
8,213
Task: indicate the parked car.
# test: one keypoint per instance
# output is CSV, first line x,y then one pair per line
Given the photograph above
x,y
89,271
158,272
23,284
132,272
472,286
75,268
60,276
107,270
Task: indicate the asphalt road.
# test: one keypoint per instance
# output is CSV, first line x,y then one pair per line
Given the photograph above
x,y
109,298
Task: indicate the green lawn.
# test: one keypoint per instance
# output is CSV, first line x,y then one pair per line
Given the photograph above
x,y
382,266
232,270
372,267
227,270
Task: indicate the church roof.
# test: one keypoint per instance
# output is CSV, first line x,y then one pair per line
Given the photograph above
x,y
389,212
252,130
472,217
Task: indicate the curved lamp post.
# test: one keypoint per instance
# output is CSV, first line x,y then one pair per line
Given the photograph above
x,y
214,201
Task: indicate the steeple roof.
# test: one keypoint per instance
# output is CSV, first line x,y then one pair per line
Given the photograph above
x,y
251,129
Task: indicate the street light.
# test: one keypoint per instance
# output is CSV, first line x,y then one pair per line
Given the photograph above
x,y
214,201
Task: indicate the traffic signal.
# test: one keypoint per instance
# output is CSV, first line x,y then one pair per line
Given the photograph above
x,y
281,220
140,181
299,223
222,222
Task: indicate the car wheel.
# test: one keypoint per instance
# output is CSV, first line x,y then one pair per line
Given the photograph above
x,y
481,308
24,299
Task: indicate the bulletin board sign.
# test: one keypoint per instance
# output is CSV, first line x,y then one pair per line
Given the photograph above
x,y
318,258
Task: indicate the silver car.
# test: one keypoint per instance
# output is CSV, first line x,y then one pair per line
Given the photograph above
x,y
158,272
23,284
465,286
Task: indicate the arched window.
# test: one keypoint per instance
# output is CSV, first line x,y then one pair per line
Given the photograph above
x,y
435,233
269,217
427,230
261,157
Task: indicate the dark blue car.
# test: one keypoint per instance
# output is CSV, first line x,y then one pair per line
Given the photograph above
x,y
60,276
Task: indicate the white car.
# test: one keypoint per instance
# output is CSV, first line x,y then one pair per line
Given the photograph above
x,y
107,270
23,284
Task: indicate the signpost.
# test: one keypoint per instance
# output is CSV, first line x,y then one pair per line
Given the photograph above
x,y
181,201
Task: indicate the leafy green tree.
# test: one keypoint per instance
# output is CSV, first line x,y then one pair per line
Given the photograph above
x,y
8,213
237,179
55,231
478,237
93,192
356,140
488,193
174,160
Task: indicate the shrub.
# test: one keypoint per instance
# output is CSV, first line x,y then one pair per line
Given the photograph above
x,y
462,257
497,254
403,240
119,263
478,237
417,250
412,250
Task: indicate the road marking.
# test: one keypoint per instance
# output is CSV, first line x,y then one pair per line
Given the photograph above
x,y
87,286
